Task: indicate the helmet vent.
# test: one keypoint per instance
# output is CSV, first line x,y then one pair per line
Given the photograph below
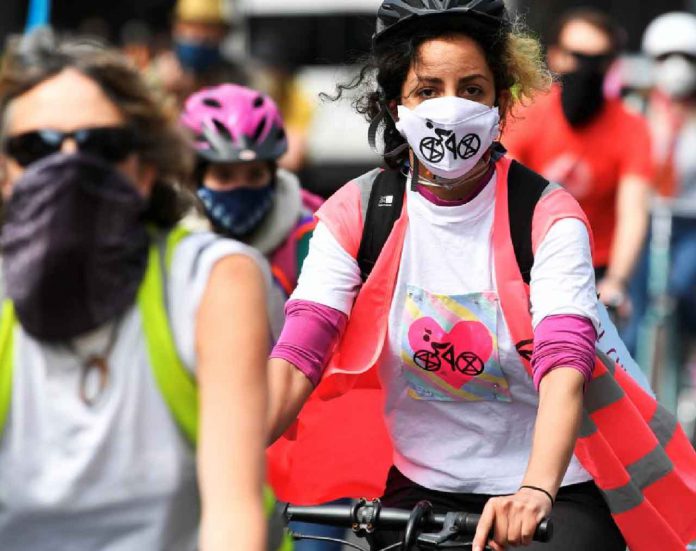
x,y
222,130
259,130
212,102
258,102
281,134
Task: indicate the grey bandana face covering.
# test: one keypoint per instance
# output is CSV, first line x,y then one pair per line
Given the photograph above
x,y
74,245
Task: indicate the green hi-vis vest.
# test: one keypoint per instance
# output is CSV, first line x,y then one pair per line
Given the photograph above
x,y
176,384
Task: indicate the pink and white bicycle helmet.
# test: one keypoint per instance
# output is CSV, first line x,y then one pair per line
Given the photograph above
x,y
232,123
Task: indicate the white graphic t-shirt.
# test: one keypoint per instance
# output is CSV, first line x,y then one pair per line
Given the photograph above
x,y
460,406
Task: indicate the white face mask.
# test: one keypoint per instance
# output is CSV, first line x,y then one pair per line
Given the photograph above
x,y
676,76
449,135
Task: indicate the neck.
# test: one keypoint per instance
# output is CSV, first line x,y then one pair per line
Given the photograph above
x,y
470,184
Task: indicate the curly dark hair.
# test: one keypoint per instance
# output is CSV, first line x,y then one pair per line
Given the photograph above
x,y
39,56
515,59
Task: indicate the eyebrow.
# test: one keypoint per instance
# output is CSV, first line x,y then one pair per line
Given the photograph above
x,y
437,80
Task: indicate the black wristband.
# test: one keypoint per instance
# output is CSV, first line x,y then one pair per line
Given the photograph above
x,y
539,490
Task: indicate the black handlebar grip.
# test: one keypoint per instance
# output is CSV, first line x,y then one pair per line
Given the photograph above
x,y
543,533
388,518
337,515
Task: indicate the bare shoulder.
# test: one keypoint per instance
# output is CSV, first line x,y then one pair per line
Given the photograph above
x,y
234,271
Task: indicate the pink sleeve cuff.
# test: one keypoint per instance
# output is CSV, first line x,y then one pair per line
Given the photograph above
x,y
564,341
309,336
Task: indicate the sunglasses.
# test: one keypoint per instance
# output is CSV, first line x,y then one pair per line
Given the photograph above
x,y
110,143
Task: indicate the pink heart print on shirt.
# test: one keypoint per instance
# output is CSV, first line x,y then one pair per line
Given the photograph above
x,y
456,356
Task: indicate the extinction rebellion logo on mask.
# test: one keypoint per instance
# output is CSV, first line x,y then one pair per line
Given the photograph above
x,y
433,147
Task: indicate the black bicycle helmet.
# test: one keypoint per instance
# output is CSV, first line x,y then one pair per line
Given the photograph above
x,y
398,15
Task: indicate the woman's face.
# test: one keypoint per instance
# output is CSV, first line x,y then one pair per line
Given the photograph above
x,y
67,102
229,176
449,66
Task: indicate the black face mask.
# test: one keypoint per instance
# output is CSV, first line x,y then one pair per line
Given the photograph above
x,y
74,245
582,94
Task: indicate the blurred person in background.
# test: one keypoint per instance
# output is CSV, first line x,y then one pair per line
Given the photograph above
x,y
275,74
282,84
592,145
239,136
197,59
670,42
95,28
137,43
116,324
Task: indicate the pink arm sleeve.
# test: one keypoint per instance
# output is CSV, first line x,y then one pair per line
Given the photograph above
x,y
309,335
563,341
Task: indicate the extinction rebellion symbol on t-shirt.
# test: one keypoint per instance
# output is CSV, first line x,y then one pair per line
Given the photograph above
x,y
449,347
433,147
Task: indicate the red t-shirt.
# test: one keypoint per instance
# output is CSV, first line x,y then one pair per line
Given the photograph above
x,y
589,161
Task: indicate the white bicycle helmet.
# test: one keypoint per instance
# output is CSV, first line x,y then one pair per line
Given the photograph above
x,y
670,33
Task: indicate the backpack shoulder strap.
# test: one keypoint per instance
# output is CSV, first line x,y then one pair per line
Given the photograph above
x,y
382,201
177,386
8,322
525,189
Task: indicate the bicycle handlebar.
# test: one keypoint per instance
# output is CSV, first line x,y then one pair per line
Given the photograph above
x,y
385,518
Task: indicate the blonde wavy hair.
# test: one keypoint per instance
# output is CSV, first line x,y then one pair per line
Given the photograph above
x,y
525,67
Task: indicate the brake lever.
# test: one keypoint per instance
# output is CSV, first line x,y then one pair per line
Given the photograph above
x,y
441,539
455,522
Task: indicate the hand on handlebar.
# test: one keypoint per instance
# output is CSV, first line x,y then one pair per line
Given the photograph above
x,y
511,519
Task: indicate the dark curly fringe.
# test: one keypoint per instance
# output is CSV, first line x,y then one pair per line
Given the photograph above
x,y
383,73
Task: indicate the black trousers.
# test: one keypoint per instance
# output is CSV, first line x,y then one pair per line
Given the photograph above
x,y
581,518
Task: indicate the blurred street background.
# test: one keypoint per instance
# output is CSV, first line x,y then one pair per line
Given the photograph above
x,y
300,48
